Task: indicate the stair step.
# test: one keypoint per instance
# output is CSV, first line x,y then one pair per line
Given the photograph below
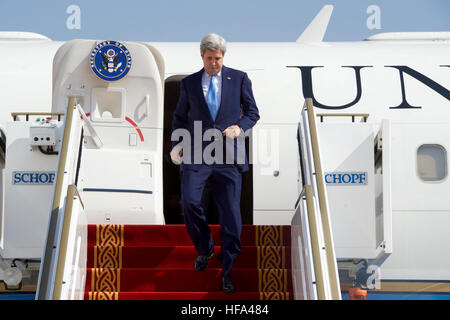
x,y
188,295
156,262
160,235
180,280
183,257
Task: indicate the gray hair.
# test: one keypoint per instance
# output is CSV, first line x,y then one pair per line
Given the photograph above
x,y
213,42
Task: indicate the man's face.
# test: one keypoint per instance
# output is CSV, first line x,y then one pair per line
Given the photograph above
x,y
212,61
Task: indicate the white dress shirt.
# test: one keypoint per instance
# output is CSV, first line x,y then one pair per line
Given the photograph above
x,y
206,78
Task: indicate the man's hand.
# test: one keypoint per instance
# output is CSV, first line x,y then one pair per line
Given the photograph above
x,y
232,132
176,153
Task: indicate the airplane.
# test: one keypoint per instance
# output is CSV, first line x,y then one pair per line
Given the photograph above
x,y
361,123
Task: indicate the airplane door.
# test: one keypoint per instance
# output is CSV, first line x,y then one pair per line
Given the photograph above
x,y
120,88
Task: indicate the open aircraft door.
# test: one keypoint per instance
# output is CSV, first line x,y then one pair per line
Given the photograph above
x,y
119,86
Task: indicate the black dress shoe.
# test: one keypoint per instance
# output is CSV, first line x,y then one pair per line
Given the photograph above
x,y
202,261
227,286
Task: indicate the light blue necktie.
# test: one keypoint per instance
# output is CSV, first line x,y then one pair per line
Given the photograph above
x,y
211,97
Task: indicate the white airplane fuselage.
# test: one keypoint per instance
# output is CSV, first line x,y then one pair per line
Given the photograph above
x,y
406,82
329,67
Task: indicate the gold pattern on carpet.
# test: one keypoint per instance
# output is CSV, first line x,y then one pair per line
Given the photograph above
x,y
269,235
274,296
107,257
105,276
271,257
103,296
272,280
110,235
105,280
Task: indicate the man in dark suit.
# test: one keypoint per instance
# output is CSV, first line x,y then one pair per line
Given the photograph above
x,y
215,103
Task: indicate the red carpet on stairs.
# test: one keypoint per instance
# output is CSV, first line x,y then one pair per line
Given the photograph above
x,y
154,262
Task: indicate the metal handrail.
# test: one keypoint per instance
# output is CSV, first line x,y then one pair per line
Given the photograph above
x,y
63,157
27,114
353,115
59,222
314,238
329,247
71,192
95,137
46,264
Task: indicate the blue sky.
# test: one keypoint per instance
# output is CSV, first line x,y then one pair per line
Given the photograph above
x,y
235,20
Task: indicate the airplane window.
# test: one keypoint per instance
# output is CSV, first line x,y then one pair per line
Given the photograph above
x,y
432,162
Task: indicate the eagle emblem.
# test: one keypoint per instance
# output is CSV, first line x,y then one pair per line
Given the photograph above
x,y
110,60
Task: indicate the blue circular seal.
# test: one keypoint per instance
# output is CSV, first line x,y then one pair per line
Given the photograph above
x,y
110,60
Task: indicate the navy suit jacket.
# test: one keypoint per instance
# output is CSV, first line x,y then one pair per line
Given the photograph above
x,y
237,107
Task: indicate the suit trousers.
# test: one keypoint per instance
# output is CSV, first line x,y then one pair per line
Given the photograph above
x,y
225,183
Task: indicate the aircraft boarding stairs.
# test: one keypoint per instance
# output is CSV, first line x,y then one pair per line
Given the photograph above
x,y
105,261
103,233
101,260
106,235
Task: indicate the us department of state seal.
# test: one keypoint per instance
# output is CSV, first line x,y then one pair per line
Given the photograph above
x,y
110,60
